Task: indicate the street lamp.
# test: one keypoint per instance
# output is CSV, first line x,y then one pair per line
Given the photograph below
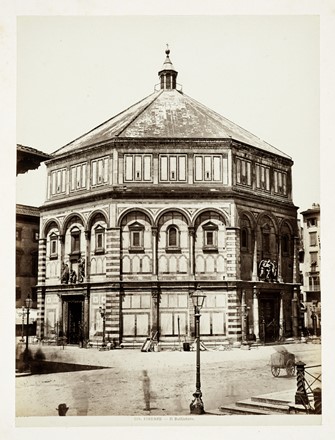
x,y
244,317
26,352
22,327
102,312
313,316
28,307
197,406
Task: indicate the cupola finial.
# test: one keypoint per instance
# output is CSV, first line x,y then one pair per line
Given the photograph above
x,y
168,74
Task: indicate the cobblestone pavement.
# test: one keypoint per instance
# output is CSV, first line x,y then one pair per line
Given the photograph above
x,y
166,378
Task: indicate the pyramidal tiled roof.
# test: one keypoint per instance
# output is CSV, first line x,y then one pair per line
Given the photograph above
x,y
167,113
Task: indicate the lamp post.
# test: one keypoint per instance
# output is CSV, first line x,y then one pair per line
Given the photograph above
x,y
28,306
22,326
26,352
197,406
313,316
244,317
102,312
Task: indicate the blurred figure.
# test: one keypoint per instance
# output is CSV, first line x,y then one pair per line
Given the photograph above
x,y
80,394
146,390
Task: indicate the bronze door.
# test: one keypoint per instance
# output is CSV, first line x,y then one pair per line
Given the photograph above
x,y
269,319
74,328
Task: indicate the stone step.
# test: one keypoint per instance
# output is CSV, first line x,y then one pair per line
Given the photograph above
x,y
270,400
271,403
235,409
263,406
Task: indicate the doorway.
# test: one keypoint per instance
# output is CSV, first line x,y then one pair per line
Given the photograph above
x,y
74,324
269,318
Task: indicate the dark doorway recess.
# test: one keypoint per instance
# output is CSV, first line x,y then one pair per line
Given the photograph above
x,y
269,318
74,327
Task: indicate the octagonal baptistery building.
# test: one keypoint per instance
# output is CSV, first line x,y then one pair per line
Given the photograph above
x,y
165,198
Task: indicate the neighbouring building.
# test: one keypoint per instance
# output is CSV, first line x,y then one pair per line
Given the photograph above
x,y
27,236
165,198
310,268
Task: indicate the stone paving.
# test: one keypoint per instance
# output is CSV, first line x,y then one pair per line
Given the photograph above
x,y
117,390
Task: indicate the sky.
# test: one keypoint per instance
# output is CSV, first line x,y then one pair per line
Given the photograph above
x,y
261,72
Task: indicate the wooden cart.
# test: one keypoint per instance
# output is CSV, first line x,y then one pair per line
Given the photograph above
x,y
283,360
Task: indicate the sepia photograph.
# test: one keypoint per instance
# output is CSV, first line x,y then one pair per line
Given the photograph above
x,y
168,220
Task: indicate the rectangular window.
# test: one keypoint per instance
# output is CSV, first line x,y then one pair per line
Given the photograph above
x,y
313,257
132,301
217,323
94,172
63,180
136,325
263,177
314,283
58,181
75,241
173,323
147,168
205,323
209,238
163,168
53,247
136,238
78,177
99,240
280,182
53,182
18,234
137,168
225,170
99,168
312,239
105,170
312,222
207,168
182,168
243,172
217,169
129,167
172,168
198,168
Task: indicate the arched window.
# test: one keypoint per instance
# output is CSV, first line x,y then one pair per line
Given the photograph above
x,y
136,231
99,240
266,240
210,237
75,241
244,239
285,244
172,238
53,246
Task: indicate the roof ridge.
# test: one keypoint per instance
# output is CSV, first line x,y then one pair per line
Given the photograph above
x,y
139,113
204,107
103,123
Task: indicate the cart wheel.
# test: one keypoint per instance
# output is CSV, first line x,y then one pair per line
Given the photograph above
x,y
275,371
290,368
